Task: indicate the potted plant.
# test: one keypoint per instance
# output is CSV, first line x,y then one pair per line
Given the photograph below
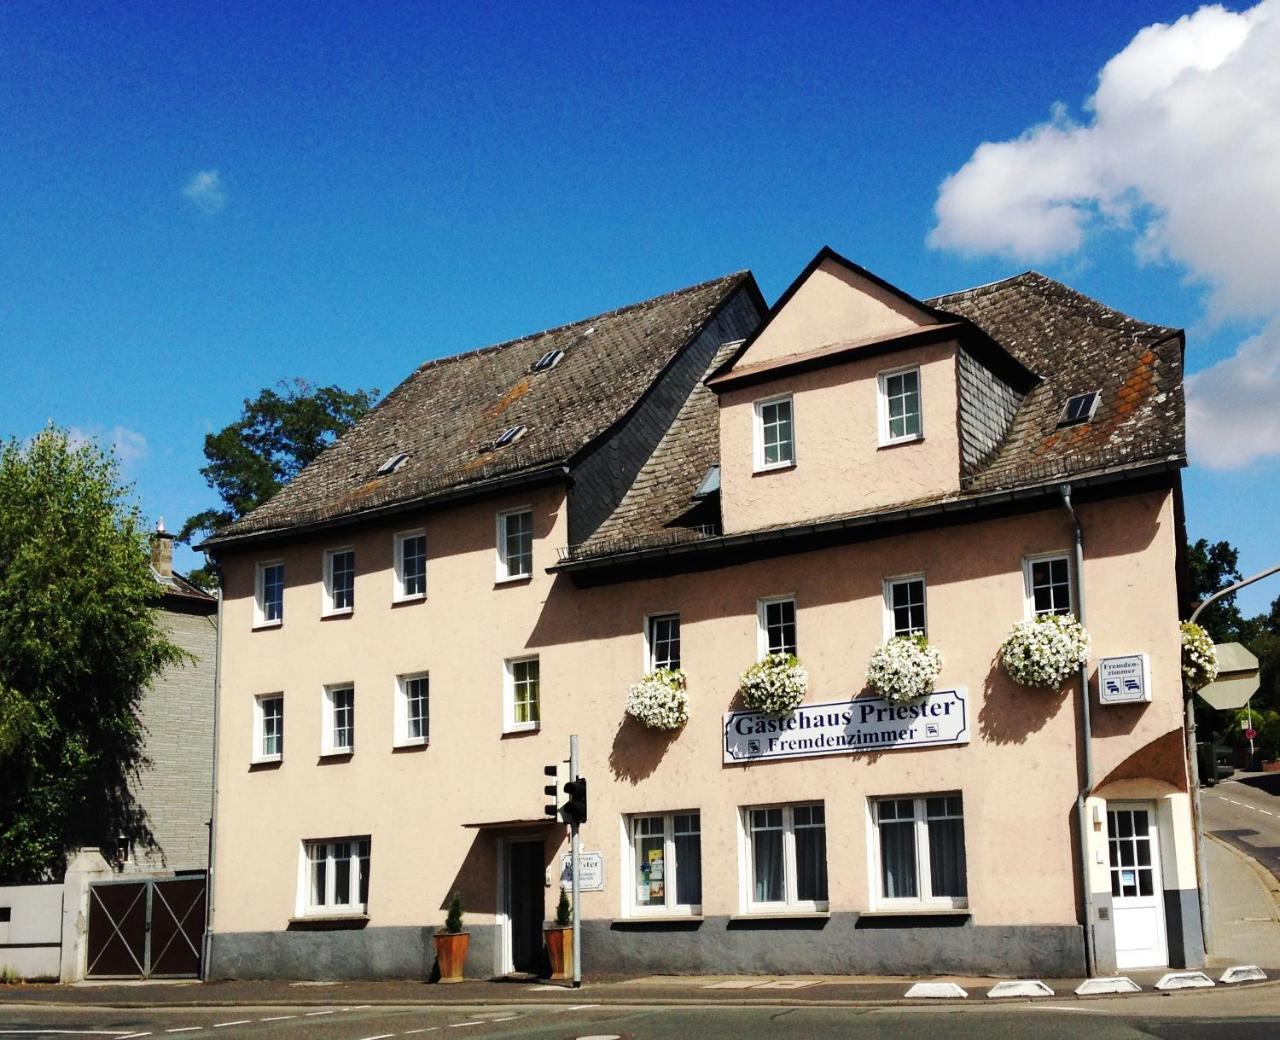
x,y
559,938
659,700
775,684
1199,656
452,943
1045,650
904,669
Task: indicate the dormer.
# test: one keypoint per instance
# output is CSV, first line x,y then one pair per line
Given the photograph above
x,y
853,397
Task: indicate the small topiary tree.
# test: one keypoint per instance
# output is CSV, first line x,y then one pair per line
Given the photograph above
x,y
453,920
564,910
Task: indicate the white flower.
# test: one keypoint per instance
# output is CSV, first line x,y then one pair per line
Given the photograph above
x,y
1045,650
659,700
1199,656
904,668
774,685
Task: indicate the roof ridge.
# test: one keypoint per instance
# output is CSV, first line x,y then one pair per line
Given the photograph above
x,y
985,286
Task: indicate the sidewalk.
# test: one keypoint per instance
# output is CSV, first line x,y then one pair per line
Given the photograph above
x,y
1244,907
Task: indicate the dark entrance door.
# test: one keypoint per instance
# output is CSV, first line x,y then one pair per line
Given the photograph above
x,y
525,884
146,928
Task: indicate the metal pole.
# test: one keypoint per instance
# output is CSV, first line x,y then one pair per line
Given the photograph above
x,y
576,851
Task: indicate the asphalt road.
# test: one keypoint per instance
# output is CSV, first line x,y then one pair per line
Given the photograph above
x,y
1242,1014
1246,813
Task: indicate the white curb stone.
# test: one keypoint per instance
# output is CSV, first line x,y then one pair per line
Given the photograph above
x,y
1110,984
1243,973
936,990
1020,988
1184,980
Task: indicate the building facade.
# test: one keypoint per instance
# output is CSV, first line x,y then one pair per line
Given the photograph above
x,y
490,559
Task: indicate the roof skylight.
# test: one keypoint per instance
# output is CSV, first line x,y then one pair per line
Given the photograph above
x,y
392,464
509,436
548,360
1080,408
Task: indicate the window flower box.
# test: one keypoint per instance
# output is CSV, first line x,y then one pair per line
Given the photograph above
x,y
660,700
776,684
1044,650
904,669
1199,657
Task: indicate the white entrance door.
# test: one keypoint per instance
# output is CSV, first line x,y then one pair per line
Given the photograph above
x,y
1137,889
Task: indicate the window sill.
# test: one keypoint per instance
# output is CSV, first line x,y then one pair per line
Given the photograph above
x,y
338,753
643,919
409,745
779,467
331,615
264,626
268,762
328,922
920,911
521,731
784,915
404,601
515,579
902,441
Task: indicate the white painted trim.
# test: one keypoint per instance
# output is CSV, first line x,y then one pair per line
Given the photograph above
x,y
762,626
397,569
259,594
400,735
327,609
257,757
791,903
924,878
758,465
327,747
671,867
887,600
648,663
882,406
1028,594
509,724
500,545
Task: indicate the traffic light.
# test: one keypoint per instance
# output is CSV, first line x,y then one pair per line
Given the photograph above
x,y
552,791
575,809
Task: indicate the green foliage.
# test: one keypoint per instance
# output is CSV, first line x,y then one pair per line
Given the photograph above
x,y
453,920
79,640
564,911
280,431
1210,568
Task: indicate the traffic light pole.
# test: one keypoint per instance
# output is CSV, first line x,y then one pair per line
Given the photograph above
x,y
576,852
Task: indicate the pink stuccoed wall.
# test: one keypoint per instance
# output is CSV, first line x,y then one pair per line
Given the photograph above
x,y
1018,775
841,468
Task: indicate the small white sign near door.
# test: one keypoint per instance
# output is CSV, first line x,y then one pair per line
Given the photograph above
x,y
592,878
1137,887
1124,680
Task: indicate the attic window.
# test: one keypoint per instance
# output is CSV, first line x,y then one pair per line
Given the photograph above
x,y
392,464
509,436
548,360
1080,408
710,484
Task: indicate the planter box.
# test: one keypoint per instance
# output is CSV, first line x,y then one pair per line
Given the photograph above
x,y
560,950
451,954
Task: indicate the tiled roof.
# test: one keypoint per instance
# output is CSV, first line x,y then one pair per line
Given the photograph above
x,y
1073,343
178,587
448,414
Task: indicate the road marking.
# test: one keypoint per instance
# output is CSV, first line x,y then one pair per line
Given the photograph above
x,y
277,1018
1056,1007
364,1007
424,1029
583,1007
237,1022
65,1032
508,1018
184,1029
380,1036
312,1014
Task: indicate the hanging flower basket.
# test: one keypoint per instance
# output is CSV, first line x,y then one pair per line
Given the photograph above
x,y
1045,650
775,685
904,668
1199,656
659,700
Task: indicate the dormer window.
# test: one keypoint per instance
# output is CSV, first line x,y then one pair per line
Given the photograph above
x,y
1080,409
775,442
900,419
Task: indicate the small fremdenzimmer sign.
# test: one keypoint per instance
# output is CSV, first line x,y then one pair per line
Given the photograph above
x,y
847,728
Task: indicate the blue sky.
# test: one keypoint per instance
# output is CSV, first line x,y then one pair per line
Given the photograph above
x,y
198,201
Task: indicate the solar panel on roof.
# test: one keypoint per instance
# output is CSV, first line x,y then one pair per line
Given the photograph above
x,y
392,464
1080,408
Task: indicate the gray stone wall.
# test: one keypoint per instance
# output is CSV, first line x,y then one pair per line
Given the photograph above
x,y
177,713
609,469
987,407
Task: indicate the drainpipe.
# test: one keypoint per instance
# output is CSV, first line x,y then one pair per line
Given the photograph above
x,y
1086,745
213,816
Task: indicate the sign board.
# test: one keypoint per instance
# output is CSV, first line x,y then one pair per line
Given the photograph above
x,y
1250,733
1125,679
847,728
592,877
1237,678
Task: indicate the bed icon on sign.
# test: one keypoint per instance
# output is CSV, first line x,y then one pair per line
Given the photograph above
x,y
931,729
753,747
1114,687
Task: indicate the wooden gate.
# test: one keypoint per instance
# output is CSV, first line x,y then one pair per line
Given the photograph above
x,y
146,928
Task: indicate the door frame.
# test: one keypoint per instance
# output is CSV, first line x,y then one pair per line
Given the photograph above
x,y
1154,827
503,959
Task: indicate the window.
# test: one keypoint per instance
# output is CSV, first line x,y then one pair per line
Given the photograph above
x,y
666,863
392,464
1048,584
548,360
787,857
268,728
1080,409
411,566
339,581
776,620
509,436
522,681
337,877
412,710
904,607
515,544
900,406
775,443
269,594
919,848
340,720
664,641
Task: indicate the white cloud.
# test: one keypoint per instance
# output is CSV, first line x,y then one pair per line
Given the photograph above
x,y
1181,149
128,445
206,190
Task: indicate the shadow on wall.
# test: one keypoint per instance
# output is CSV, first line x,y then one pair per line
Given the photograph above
x,y
1011,713
637,750
474,880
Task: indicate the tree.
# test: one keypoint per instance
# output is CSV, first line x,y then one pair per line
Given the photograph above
x,y
1212,567
280,431
79,640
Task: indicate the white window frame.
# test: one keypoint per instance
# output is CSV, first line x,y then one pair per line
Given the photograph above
x,y
260,619
327,607
746,863
671,866
501,545
1028,591
402,737
757,436
328,728
259,728
890,584
304,906
509,723
882,405
398,594
762,622
924,882
650,663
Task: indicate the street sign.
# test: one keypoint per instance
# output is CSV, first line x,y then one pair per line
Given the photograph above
x,y
1250,733
1237,678
1125,679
